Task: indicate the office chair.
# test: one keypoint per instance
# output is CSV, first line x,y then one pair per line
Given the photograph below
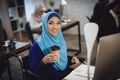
x,y
26,73
90,32
90,19
29,32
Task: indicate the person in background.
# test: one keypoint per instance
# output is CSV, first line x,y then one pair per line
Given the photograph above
x,y
110,20
36,18
42,60
109,25
99,10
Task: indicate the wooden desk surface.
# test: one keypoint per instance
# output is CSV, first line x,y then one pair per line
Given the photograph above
x,y
69,25
20,47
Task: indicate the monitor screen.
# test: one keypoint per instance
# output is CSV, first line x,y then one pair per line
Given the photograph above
x,y
2,35
107,65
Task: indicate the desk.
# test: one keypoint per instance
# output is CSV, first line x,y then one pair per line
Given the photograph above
x,y
72,24
65,27
6,54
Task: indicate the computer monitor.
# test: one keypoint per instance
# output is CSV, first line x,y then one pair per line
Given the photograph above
x,y
2,35
107,65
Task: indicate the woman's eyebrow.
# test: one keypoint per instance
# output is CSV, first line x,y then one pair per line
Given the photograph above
x,y
58,22
51,21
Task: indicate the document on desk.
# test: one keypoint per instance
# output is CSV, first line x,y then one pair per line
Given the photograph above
x,y
80,73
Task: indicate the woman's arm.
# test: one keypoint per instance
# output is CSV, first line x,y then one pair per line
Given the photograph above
x,y
36,55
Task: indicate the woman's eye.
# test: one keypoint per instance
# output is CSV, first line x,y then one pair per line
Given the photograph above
x,y
50,23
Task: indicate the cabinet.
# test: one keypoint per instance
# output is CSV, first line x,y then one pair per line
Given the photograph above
x,y
16,12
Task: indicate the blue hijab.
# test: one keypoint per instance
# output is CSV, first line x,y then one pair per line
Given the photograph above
x,y
46,40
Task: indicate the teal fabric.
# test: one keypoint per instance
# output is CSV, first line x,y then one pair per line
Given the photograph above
x,y
46,40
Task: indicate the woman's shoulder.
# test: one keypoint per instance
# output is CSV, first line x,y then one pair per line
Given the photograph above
x,y
36,50
35,45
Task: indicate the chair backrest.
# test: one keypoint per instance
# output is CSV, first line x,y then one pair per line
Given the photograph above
x,y
29,32
90,32
89,19
25,62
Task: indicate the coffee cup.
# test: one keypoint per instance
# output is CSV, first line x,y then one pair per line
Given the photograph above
x,y
55,50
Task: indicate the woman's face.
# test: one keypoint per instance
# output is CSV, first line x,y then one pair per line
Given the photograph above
x,y
41,12
54,25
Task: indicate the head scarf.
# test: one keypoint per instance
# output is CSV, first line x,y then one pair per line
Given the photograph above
x,y
46,40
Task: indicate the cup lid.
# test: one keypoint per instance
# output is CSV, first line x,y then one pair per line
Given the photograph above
x,y
55,47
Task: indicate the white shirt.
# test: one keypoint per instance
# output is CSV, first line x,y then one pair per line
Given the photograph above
x,y
34,24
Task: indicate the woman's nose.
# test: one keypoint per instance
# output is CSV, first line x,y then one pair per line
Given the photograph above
x,y
55,25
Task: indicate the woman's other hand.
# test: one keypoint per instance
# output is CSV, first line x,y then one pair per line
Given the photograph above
x,y
75,60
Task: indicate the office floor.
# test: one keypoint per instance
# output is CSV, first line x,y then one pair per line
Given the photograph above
x,y
72,42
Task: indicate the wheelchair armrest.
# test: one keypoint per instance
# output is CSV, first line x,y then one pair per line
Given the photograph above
x,y
33,75
25,70
20,59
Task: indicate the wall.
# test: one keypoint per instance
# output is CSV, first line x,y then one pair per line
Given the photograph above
x,y
4,16
78,10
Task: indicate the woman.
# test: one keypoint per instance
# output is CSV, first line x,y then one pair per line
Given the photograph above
x,y
36,18
42,60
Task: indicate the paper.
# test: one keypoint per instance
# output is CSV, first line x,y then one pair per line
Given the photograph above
x,y
80,73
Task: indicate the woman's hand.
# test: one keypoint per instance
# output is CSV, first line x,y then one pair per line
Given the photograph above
x,y
51,58
75,60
